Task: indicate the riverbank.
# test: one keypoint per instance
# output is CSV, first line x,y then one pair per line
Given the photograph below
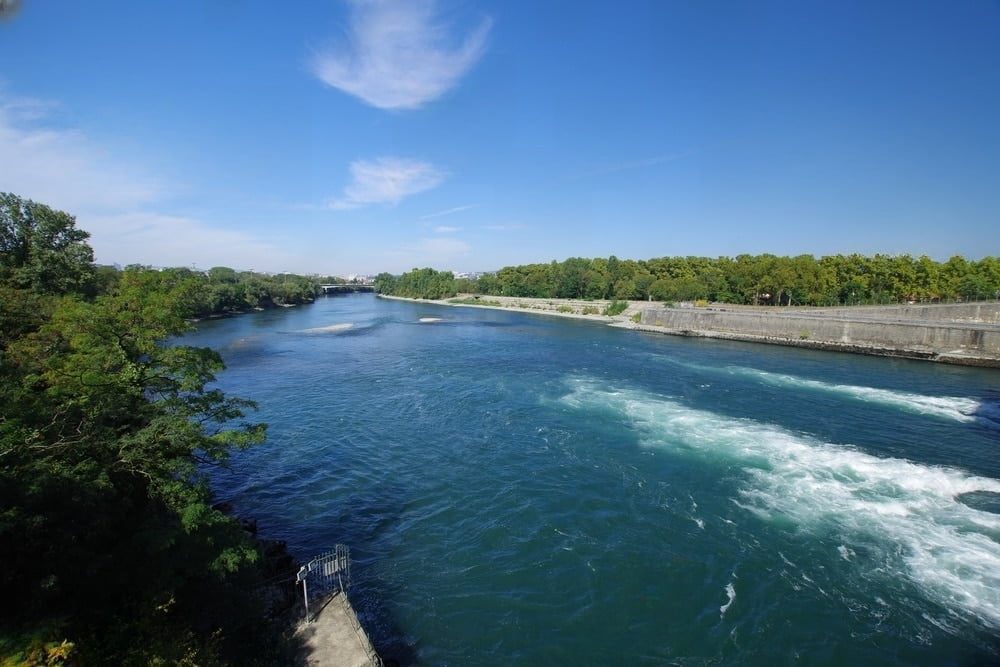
x,y
577,309
963,334
246,311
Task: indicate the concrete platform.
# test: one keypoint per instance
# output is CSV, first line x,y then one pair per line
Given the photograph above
x,y
335,638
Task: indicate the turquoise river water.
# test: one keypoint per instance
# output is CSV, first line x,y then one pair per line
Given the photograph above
x,y
529,490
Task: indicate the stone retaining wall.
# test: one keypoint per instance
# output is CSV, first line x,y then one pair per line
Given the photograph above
x,y
983,312
957,343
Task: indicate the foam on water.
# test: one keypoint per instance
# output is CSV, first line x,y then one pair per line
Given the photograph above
x,y
956,408
948,549
731,594
332,328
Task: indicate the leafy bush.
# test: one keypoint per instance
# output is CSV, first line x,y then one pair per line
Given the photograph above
x,y
417,284
616,307
474,301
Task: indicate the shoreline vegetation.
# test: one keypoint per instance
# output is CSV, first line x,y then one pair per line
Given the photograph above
x,y
757,280
222,291
114,549
594,311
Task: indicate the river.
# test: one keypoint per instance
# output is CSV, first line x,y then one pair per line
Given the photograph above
x,y
528,490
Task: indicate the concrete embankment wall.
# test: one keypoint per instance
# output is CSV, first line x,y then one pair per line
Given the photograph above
x,y
984,312
955,343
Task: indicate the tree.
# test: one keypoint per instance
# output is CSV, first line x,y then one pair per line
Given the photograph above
x,y
417,284
111,547
41,249
746,279
384,283
222,274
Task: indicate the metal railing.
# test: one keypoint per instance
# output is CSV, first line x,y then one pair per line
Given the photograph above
x,y
323,580
325,576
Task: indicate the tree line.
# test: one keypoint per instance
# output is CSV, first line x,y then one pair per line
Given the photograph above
x,y
222,290
745,279
112,549
417,284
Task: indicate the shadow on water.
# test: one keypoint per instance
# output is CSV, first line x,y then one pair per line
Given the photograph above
x,y
984,501
361,521
988,411
378,514
250,349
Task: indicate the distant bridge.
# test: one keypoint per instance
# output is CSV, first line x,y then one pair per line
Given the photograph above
x,y
347,287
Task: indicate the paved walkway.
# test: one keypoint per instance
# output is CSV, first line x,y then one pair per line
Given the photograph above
x,y
335,638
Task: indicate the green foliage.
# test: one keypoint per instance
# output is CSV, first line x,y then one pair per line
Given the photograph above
x,y
476,301
41,250
417,284
385,283
36,650
745,279
565,309
224,290
637,318
752,279
616,308
112,551
590,310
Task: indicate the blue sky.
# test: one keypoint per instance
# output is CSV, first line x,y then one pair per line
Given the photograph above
x,y
357,137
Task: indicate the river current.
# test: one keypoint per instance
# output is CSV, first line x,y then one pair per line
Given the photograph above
x,y
521,489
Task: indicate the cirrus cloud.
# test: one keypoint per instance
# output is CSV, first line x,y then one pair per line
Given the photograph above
x,y
62,166
399,56
121,204
386,180
448,211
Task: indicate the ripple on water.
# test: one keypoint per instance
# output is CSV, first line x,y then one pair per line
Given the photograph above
x,y
501,512
945,546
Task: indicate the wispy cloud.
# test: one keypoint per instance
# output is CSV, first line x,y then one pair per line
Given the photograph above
x,y
171,240
445,229
61,166
444,247
399,55
449,211
386,180
117,201
26,108
434,251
